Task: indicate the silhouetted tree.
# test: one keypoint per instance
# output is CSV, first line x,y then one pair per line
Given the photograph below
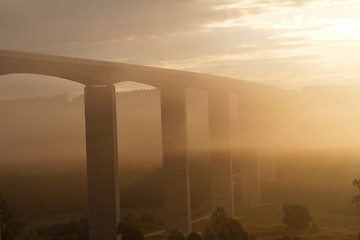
x,y
194,236
356,199
222,227
236,231
175,235
130,231
82,232
64,229
296,216
10,227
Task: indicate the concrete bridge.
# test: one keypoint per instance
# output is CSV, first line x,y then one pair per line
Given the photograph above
x,y
99,78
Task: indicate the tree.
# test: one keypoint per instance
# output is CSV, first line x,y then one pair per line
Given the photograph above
x,y
82,232
222,227
130,231
356,199
236,231
296,216
9,226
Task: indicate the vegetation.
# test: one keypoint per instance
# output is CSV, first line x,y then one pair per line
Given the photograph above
x,y
222,227
129,231
9,225
194,236
356,199
57,197
296,216
78,230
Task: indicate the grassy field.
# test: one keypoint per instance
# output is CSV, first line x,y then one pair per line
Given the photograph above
x,y
262,222
320,181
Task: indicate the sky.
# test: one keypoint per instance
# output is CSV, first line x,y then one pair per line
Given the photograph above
x,y
284,43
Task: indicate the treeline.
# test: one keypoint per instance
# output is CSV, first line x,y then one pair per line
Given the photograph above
x,y
71,230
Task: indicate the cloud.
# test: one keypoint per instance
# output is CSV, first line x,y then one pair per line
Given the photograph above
x,y
262,40
40,24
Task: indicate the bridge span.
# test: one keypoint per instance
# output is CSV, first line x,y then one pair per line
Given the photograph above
x,y
98,78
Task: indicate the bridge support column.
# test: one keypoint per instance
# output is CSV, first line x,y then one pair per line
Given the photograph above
x,y
221,166
250,182
249,155
176,169
102,162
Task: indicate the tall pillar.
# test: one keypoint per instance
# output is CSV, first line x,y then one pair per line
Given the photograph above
x,y
250,182
248,154
221,168
102,163
176,169
268,146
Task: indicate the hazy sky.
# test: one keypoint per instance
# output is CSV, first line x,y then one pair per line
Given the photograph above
x,y
286,43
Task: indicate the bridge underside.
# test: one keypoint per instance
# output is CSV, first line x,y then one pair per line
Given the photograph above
x,y
101,136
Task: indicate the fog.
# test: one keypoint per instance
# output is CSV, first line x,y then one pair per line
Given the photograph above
x,y
51,130
313,133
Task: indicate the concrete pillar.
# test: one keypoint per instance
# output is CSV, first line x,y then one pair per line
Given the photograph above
x,y
248,154
221,168
268,146
102,163
250,182
176,170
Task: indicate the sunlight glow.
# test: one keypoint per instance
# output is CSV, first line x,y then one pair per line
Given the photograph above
x,y
343,29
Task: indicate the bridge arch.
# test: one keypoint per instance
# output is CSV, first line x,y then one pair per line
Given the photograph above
x,y
40,122
51,69
99,78
139,124
25,85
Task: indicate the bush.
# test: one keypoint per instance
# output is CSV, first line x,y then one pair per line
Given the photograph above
x,y
9,226
222,227
57,231
296,216
356,199
130,231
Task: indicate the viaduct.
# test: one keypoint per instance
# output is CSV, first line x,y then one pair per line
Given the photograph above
x,y
99,78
